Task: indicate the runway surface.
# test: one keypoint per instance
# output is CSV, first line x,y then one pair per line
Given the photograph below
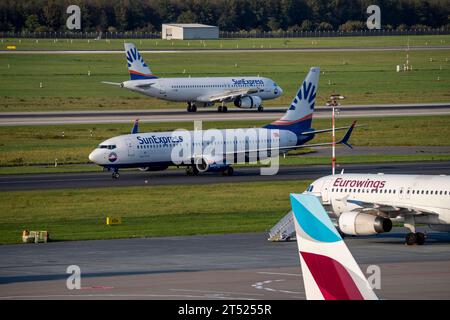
x,y
210,114
262,50
178,177
236,266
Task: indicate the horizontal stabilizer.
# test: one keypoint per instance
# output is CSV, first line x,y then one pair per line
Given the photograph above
x,y
112,83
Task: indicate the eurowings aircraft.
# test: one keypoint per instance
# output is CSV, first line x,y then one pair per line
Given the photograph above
x,y
366,204
215,150
329,270
243,92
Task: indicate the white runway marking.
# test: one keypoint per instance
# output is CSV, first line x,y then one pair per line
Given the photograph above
x,y
262,285
216,292
281,274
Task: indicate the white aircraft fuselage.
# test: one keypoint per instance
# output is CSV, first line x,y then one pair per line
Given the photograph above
x,y
202,89
155,150
355,199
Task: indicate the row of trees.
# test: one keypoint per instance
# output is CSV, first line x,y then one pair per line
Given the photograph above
x,y
229,15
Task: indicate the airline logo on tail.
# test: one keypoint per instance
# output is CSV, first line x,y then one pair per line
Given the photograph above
x,y
329,270
309,95
299,115
137,67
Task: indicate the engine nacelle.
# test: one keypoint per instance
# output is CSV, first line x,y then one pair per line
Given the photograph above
x,y
204,165
363,224
248,102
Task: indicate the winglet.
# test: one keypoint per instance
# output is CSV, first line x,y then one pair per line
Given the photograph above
x,y
329,270
345,139
135,128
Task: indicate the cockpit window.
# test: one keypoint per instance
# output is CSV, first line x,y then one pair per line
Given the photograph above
x,y
310,188
107,146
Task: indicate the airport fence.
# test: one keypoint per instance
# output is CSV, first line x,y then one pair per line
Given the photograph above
x,y
225,34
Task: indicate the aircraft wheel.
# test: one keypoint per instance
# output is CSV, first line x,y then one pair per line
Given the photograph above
x,y
260,109
411,239
224,109
219,109
228,171
420,238
115,175
194,108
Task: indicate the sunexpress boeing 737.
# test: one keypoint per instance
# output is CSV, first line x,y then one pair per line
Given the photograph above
x,y
156,150
244,92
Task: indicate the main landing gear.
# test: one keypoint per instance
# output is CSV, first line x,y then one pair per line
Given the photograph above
x,y
228,171
260,109
222,108
191,171
413,237
191,107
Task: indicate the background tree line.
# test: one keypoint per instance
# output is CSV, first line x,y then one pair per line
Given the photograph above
x,y
229,15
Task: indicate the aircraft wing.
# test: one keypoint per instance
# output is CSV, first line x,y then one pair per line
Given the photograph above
x,y
393,209
144,85
228,95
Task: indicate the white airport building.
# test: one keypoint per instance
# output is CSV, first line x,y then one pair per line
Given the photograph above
x,y
189,31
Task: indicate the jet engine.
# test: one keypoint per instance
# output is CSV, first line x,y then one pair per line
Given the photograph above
x,y
248,102
205,165
201,164
363,224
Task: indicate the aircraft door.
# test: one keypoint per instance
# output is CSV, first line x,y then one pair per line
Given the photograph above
x,y
326,192
162,88
130,147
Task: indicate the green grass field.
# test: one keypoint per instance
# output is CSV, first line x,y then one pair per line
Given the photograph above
x,y
363,77
163,210
40,145
224,44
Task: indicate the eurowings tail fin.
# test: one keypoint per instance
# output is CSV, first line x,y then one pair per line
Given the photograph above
x,y
329,270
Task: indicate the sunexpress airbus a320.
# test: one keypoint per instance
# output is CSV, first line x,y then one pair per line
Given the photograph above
x,y
244,92
154,150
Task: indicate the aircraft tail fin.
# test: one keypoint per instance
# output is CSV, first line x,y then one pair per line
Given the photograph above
x,y
298,117
135,128
137,67
329,270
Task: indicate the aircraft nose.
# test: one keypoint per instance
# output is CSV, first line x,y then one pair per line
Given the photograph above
x,y
280,91
92,156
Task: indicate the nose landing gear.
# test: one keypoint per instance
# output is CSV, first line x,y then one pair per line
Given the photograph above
x,y
191,107
115,174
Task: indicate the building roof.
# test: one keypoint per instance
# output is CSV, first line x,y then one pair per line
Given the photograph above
x,y
189,25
